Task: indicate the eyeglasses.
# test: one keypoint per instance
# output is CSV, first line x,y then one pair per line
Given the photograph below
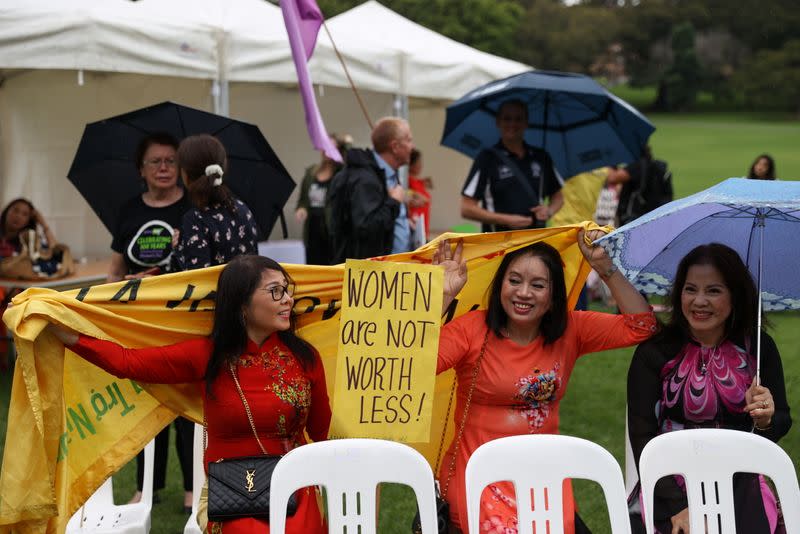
x,y
512,118
156,163
278,292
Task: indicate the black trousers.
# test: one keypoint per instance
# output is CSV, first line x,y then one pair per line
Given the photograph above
x,y
184,445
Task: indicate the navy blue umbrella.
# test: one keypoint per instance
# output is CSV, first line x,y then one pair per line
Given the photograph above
x,y
580,124
104,172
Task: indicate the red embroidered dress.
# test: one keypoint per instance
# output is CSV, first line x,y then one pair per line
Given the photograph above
x,y
285,399
517,392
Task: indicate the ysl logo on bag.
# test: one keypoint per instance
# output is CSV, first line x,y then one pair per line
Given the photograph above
x,y
250,482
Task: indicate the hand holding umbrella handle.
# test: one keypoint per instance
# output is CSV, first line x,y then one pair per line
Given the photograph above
x,y
760,405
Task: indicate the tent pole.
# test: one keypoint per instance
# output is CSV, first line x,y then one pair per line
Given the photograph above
x,y
401,108
219,87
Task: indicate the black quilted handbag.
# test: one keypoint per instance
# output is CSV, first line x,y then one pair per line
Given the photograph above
x,y
442,517
239,487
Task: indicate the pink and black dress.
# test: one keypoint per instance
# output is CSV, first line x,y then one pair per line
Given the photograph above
x,y
674,383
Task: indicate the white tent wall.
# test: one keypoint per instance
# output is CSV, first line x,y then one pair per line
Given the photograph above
x,y
43,113
278,111
445,166
42,116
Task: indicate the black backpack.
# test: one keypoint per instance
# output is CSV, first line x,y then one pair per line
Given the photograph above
x,y
655,189
337,215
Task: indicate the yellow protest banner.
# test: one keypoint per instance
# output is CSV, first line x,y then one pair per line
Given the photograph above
x,y
70,424
387,346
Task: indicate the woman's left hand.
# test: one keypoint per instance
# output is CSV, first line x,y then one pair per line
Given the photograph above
x,y
759,404
596,255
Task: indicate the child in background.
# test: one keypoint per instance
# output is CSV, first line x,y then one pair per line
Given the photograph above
x,y
419,198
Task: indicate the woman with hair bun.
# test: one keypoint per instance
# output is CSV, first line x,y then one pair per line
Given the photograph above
x,y
220,226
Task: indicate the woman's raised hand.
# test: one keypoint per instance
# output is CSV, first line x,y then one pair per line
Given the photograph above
x,y
455,268
597,256
628,298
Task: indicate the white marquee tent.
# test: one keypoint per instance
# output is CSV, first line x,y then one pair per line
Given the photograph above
x,y
399,56
64,64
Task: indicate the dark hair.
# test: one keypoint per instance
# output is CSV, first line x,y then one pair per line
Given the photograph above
x,y
155,138
237,283
415,155
195,153
31,222
514,102
740,325
647,153
554,322
343,144
770,170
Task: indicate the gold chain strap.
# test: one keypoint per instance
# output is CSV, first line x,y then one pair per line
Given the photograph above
x,y
446,422
232,369
466,412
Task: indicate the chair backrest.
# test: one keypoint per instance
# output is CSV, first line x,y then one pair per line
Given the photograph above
x,y
631,476
100,514
537,465
707,458
284,251
350,470
198,480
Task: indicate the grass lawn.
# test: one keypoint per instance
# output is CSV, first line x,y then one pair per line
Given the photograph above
x,y
701,150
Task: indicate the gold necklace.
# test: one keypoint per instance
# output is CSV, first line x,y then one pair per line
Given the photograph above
x,y
713,350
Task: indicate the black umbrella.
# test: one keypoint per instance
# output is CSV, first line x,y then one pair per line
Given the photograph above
x,y
106,175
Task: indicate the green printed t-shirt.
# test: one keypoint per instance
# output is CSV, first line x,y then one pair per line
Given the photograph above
x,y
144,234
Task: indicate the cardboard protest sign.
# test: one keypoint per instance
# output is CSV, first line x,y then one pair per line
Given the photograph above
x,y
387,347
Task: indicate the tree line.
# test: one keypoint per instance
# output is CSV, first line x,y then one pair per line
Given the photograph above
x,y
744,54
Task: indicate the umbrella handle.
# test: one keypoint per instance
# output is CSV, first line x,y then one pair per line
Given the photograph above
x,y
283,224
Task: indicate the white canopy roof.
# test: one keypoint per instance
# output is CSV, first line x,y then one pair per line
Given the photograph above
x,y
388,52
239,40
103,35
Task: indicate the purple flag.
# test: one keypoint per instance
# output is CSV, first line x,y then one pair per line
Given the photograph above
x,y
310,19
303,19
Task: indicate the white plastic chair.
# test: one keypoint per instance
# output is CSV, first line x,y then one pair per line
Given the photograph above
x,y
537,466
631,476
707,458
284,251
350,470
198,480
100,515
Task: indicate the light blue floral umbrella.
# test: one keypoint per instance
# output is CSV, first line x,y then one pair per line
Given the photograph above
x,y
757,218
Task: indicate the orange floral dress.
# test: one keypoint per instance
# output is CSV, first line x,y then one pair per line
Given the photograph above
x,y
518,391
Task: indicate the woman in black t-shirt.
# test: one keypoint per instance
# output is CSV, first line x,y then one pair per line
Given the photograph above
x,y
142,245
143,237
